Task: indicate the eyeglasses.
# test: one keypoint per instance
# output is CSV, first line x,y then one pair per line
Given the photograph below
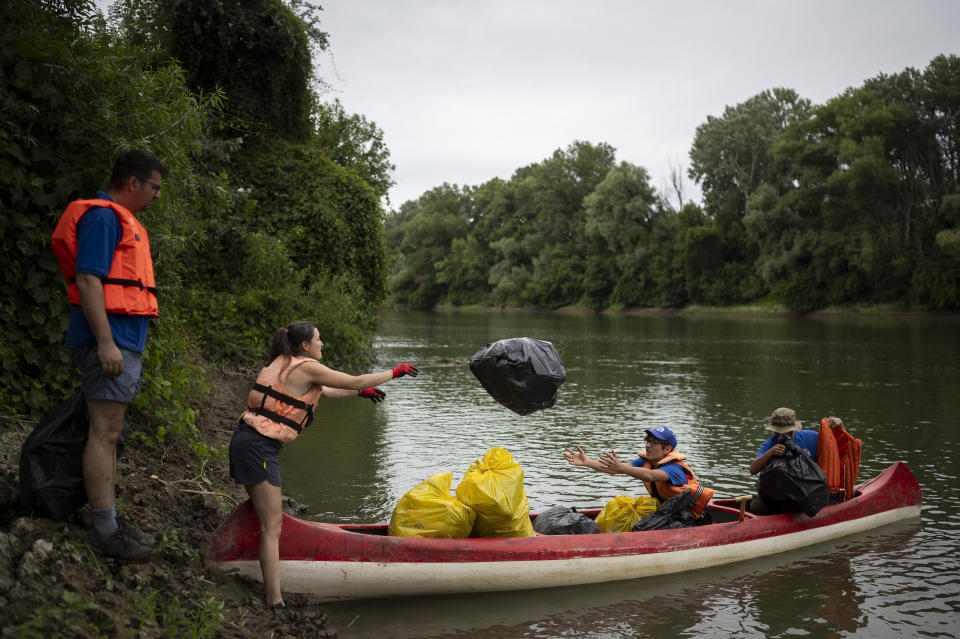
x,y
653,441
153,185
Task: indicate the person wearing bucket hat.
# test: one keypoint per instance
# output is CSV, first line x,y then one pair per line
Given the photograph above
x,y
783,421
659,466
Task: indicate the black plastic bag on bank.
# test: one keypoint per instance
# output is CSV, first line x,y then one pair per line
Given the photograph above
x,y
793,477
673,513
561,520
51,461
521,373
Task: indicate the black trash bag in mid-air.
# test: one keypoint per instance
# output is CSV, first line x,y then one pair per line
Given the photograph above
x,y
561,520
673,513
521,373
793,477
51,461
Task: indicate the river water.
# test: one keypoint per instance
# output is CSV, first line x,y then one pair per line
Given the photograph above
x,y
714,381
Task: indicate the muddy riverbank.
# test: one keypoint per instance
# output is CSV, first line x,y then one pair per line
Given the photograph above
x,y
53,585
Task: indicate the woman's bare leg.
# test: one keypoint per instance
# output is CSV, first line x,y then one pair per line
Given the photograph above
x,y
266,500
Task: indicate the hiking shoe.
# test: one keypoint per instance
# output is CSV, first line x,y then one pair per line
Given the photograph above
x,y
120,546
131,531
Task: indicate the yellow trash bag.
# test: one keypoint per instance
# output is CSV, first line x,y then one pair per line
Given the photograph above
x,y
429,510
622,512
493,486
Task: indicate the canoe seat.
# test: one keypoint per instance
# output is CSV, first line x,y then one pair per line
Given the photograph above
x,y
743,501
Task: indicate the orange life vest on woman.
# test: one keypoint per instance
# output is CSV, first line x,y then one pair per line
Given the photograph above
x,y
271,411
129,287
699,493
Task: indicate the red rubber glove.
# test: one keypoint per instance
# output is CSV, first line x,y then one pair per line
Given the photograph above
x,y
373,394
405,369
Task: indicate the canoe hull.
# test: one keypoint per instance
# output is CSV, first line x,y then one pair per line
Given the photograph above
x,y
330,562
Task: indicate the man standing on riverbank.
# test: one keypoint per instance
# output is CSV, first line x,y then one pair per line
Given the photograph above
x,y
104,254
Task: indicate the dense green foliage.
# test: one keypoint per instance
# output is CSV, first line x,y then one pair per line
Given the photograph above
x,y
853,201
355,143
303,240
517,243
255,51
272,210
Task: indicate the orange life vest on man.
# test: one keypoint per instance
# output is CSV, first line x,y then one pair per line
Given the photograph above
x,y
271,411
129,287
699,493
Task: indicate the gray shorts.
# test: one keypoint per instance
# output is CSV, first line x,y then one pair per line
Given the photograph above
x,y
96,385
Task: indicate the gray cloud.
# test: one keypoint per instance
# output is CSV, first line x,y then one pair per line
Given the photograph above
x,y
468,90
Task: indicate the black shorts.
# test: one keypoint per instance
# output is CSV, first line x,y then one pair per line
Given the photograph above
x,y
254,458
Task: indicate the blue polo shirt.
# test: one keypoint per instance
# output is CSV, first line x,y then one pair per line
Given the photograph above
x,y
673,471
805,439
98,233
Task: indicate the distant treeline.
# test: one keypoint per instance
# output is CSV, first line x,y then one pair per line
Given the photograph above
x,y
853,201
273,209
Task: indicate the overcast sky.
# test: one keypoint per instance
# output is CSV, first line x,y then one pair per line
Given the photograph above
x,y
469,90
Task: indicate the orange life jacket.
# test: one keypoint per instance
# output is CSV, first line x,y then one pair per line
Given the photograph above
x,y
665,490
838,454
271,411
129,287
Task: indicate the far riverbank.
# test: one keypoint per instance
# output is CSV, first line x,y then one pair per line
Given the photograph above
x,y
762,309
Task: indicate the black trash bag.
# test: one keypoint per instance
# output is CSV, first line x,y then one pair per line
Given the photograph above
x,y
673,513
51,461
561,520
521,373
793,477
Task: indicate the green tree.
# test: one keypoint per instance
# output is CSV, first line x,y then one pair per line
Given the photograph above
x,y
257,52
872,176
355,143
517,243
301,238
308,173
855,200
464,271
925,155
623,212
730,156
230,265
730,159
545,239
327,216
421,236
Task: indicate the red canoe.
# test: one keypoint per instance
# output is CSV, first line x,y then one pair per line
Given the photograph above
x,y
348,561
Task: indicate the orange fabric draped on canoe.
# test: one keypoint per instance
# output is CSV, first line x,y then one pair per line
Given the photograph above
x,y
838,453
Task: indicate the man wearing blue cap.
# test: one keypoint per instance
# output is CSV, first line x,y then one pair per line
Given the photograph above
x,y
659,466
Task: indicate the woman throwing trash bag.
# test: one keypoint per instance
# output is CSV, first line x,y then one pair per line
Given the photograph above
x,y
279,407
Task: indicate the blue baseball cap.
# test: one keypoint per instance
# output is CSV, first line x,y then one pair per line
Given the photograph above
x,y
664,433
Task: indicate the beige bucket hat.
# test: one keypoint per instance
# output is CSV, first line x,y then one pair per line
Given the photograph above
x,y
783,420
